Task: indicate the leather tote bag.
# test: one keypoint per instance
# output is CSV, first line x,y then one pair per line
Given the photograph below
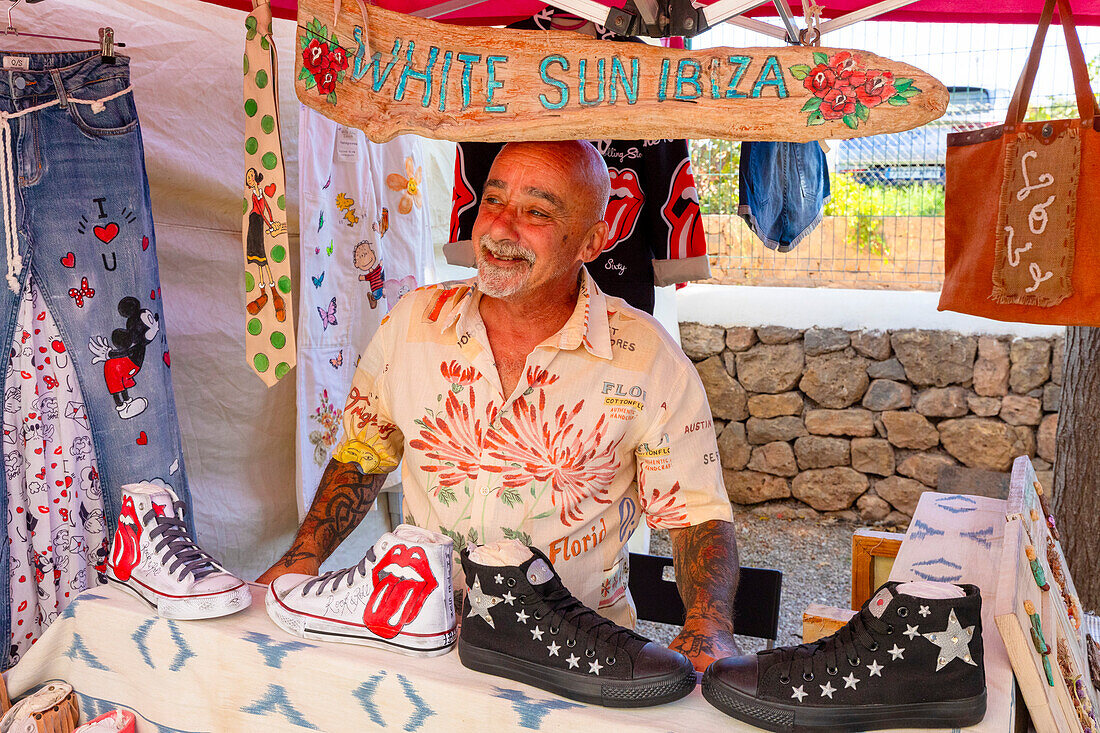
x,y
1022,229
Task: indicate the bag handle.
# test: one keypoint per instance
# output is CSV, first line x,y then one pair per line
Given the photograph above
x,y
1086,102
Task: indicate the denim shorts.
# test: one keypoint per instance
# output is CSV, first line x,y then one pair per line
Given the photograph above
x,y
783,189
74,194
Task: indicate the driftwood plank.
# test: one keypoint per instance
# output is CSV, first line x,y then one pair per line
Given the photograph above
x,y
392,74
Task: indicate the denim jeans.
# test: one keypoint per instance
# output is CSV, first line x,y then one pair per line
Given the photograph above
x,y
783,189
74,194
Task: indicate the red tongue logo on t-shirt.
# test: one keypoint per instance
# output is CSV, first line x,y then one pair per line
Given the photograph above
x,y
623,207
681,213
126,551
462,196
403,581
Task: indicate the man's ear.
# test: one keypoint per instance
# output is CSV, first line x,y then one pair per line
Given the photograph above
x,y
595,241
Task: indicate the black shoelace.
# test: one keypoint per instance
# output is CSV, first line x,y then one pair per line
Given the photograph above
x,y
843,647
348,575
178,546
564,608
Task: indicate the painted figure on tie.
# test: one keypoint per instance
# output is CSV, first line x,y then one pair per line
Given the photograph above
x,y
261,221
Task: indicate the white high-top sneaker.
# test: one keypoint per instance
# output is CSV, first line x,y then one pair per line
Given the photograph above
x,y
398,597
154,558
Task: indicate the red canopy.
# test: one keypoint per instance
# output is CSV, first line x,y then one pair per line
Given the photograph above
x,y
502,12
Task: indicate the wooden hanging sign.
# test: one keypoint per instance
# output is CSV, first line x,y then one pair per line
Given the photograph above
x,y
396,74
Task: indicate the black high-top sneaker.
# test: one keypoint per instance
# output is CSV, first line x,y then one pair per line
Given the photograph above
x,y
902,662
522,623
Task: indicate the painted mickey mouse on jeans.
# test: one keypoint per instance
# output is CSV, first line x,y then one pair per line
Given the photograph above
x,y
124,354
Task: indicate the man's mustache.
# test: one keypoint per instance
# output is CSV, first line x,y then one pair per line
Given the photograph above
x,y
506,250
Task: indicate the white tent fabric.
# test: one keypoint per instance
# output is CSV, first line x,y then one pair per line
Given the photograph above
x,y
186,68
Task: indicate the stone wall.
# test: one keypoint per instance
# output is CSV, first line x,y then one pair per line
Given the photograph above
x,y
859,424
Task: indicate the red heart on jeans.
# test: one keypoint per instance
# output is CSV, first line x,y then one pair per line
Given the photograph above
x,y
107,233
167,360
69,260
58,346
142,438
144,243
269,189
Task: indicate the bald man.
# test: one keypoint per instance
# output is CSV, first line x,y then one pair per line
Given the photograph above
x,y
526,404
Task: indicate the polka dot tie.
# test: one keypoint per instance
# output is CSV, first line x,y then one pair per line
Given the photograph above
x,y
269,330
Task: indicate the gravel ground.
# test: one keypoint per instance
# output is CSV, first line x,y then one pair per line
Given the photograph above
x,y
814,555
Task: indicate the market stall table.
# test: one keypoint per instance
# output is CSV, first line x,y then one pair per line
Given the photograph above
x,y
241,672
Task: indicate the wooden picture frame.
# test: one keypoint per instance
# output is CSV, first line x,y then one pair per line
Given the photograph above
x,y
873,554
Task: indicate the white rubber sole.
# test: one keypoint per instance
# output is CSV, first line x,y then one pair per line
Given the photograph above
x,y
194,608
305,627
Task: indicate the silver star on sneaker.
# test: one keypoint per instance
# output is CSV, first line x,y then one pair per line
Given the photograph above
x,y
594,667
799,692
911,631
553,648
954,642
508,598
536,633
876,668
573,660
522,616
924,611
851,681
827,690
480,603
896,653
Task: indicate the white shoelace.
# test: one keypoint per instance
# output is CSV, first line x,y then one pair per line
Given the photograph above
x,y
8,177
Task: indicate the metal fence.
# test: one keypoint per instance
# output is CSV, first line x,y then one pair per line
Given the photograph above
x,y
883,227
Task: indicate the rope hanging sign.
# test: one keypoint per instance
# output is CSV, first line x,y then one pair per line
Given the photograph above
x,y
392,74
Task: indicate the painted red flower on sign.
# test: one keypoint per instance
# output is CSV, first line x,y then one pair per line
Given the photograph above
x,y
843,90
314,56
577,466
665,510
538,377
820,80
324,60
453,440
873,87
338,59
844,63
837,103
456,375
326,81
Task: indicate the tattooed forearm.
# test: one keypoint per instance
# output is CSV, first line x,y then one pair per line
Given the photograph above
x,y
343,498
707,568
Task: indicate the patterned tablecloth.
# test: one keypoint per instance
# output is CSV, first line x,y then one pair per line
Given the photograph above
x,y
242,673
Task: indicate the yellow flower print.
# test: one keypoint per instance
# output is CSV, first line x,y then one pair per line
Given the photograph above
x,y
409,185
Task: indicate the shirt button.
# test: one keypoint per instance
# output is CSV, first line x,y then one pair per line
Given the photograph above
x,y
484,490
20,82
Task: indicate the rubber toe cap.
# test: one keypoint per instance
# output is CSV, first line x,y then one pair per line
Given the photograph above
x,y
739,673
654,660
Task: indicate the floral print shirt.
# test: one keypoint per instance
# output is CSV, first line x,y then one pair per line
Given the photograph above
x,y
608,425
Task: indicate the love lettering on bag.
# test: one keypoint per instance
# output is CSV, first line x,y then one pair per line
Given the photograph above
x,y
1035,220
387,74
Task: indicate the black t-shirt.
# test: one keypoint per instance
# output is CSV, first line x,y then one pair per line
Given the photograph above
x,y
653,212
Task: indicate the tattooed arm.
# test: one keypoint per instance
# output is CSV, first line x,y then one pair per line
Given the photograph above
x,y
705,559
342,500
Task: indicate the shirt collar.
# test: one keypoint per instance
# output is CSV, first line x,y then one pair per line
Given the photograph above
x,y
587,326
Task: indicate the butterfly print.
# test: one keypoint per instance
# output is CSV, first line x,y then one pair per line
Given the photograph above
x,y
328,317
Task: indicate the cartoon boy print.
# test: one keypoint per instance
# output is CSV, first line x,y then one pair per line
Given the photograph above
x,y
260,219
124,354
368,261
